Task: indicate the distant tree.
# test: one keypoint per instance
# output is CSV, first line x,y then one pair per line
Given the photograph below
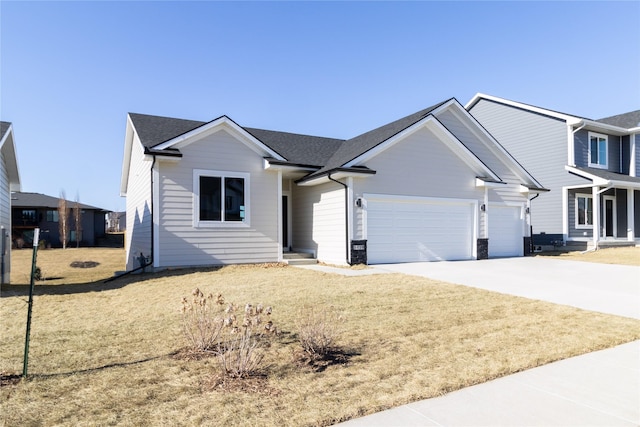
x,y
77,219
63,219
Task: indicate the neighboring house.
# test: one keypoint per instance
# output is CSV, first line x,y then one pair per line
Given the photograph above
x,y
431,186
591,166
9,181
34,210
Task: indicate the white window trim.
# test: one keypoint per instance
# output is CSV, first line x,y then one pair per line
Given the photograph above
x,y
197,223
583,226
606,156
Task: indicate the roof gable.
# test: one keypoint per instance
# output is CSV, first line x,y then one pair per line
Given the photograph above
x,y
8,148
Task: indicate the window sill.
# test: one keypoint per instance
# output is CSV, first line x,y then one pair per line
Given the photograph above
x,y
230,224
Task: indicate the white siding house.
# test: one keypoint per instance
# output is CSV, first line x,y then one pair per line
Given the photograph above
x,y
9,181
421,188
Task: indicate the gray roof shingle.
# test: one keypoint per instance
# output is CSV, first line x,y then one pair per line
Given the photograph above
x,y
627,120
4,127
610,176
37,200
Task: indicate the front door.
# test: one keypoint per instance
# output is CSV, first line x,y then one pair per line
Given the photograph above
x,y
285,223
609,219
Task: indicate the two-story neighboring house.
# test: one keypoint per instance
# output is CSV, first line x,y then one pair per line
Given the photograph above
x,y
35,210
592,168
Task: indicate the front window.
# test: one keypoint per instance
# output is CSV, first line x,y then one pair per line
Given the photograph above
x,y
597,150
584,211
220,198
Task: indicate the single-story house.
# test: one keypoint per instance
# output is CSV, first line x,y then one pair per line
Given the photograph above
x,y
9,181
434,185
35,210
591,166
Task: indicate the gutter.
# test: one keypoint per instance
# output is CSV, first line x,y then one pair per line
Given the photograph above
x,y
346,215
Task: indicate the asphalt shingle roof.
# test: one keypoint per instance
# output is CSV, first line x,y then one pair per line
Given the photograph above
x,y
37,200
627,120
611,176
325,153
4,127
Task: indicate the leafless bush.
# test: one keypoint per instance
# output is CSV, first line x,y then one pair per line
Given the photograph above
x,y
201,320
210,324
318,329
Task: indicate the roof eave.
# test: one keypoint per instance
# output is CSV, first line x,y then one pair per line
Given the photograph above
x,y
336,173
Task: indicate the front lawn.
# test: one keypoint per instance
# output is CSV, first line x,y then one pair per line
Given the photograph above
x,y
622,256
103,354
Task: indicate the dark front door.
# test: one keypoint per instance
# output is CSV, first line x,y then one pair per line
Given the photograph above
x,y
285,223
608,215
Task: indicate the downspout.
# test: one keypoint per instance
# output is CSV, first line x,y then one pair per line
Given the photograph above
x,y
346,215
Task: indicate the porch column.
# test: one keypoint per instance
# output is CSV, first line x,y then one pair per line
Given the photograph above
x,y
631,229
596,215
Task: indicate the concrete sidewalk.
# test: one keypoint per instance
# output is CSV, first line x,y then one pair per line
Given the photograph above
x,y
597,389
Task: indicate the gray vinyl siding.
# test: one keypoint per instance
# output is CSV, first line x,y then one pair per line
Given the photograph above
x,y
621,212
181,243
318,221
421,165
138,232
539,144
626,155
5,214
476,143
636,213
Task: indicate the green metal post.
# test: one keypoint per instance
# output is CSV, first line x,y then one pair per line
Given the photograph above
x,y
36,238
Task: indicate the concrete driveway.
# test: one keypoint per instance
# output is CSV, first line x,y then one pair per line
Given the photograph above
x,y
606,288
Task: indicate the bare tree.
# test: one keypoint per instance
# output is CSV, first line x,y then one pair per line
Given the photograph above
x,y
77,219
63,219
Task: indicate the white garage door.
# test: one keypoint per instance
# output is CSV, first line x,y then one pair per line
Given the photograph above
x,y
505,231
418,229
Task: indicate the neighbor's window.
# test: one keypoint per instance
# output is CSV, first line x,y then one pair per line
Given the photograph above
x,y
597,150
28,215
52,216
220,198
584,210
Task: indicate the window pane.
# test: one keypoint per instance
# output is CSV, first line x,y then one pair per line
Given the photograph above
x,y
594,150
602,151
210,198
234,199
589,207
581,211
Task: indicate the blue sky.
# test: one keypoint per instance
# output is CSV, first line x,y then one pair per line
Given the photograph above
x,y
71,71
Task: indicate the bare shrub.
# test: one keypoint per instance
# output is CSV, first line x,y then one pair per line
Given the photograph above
x,y
318,329
242,346
210,324
202,321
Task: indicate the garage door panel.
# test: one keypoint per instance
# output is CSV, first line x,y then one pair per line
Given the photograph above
x,y
505,231
419,230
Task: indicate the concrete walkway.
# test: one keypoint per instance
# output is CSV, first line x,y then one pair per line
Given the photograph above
x,y
597,389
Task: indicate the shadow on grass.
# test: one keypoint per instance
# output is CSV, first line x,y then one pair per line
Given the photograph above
x,y
22,290
92,370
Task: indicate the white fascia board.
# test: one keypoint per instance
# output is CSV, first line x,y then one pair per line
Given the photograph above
x,y
603,127
8,147
293,168
221,123
493,144
126,158
597,181
322,179
543,111
431,123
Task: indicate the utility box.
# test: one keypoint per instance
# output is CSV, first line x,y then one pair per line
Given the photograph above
x,y
358,252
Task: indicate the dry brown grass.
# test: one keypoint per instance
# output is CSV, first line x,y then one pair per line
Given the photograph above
x,y
622,256
101,354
